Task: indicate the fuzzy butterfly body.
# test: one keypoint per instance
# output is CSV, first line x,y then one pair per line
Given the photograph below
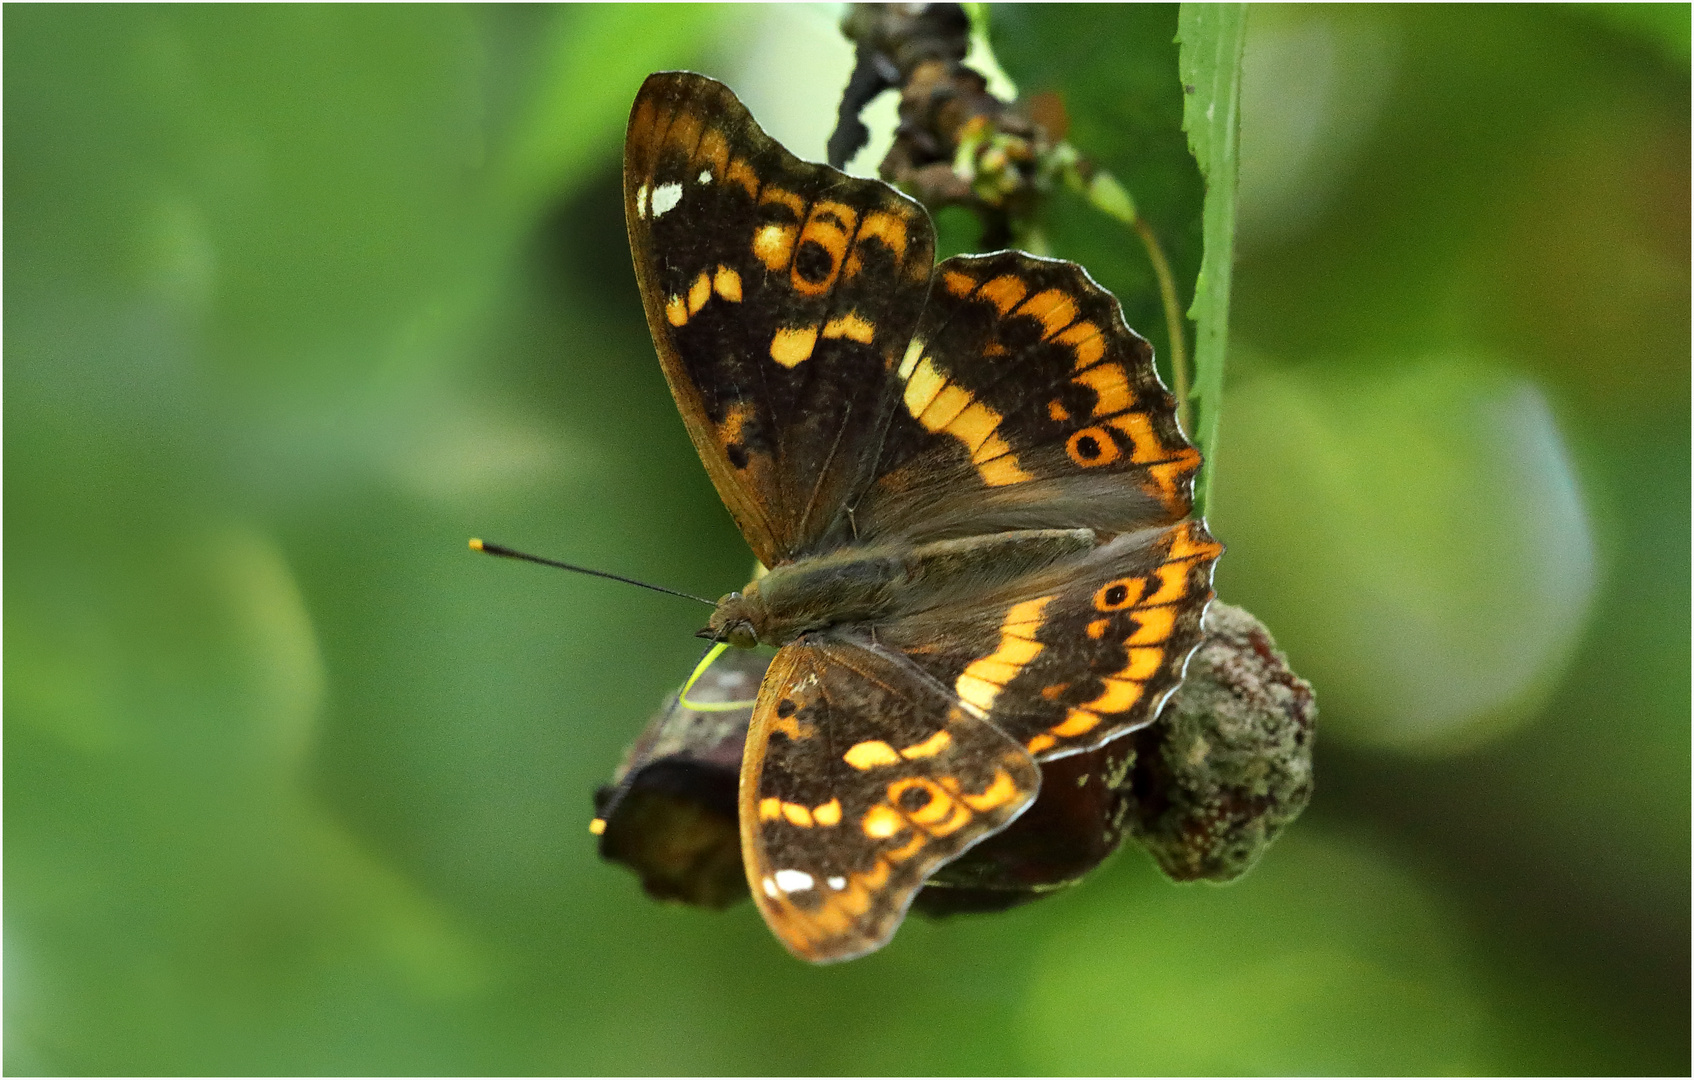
x,y
968,483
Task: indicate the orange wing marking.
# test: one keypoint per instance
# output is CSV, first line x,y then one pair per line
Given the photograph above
x,y
795,203
699,293
940,405
883,227
1085,342
881,821
1173,584
931,746
676,311
727,284
983,679
792,346
733,424
874,753
740,172
773,245
934,809
1188,545
1002,790
1156,625
1055,310
852,327
1142,437
958,284
1112,393
1004,292
870,754
908,849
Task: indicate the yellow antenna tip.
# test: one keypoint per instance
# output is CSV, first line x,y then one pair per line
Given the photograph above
x,y
476,545
597,826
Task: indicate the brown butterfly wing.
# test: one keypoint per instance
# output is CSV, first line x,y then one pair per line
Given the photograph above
x,y
862,776
1025,402
779,293
1064,661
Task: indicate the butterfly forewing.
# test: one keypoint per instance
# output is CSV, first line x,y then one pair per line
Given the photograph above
x,y
1025,402
862,776
779,294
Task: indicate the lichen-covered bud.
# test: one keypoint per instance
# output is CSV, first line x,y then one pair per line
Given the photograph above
x,y
1229,763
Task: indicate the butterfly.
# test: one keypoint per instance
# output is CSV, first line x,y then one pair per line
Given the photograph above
x,y
967,482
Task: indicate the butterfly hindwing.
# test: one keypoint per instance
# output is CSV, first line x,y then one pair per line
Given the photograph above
x,y
1064,662
862,776
779,294
1025,402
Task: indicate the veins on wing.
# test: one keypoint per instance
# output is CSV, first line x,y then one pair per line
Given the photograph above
x,y
806,387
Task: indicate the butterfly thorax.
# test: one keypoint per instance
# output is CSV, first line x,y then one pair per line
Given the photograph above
x,y
881,583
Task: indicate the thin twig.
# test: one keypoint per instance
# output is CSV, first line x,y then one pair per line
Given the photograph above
x,y
1173,322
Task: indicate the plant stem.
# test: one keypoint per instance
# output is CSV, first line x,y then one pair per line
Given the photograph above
x,y
1173,323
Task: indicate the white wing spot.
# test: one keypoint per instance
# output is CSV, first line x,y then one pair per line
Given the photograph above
x,y
770,888
665,197
793,880
705,176
641,201
837,883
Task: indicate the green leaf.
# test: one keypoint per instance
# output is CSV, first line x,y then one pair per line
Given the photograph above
x,y
1210,37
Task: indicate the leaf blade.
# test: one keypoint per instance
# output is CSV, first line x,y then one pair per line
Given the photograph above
x,y
1210,38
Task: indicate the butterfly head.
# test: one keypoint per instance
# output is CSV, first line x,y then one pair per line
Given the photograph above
x,y
737,619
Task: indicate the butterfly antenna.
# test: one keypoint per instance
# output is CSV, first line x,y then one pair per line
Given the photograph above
x,y
508,553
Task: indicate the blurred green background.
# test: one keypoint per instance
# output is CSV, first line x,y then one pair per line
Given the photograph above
x,y
299,298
